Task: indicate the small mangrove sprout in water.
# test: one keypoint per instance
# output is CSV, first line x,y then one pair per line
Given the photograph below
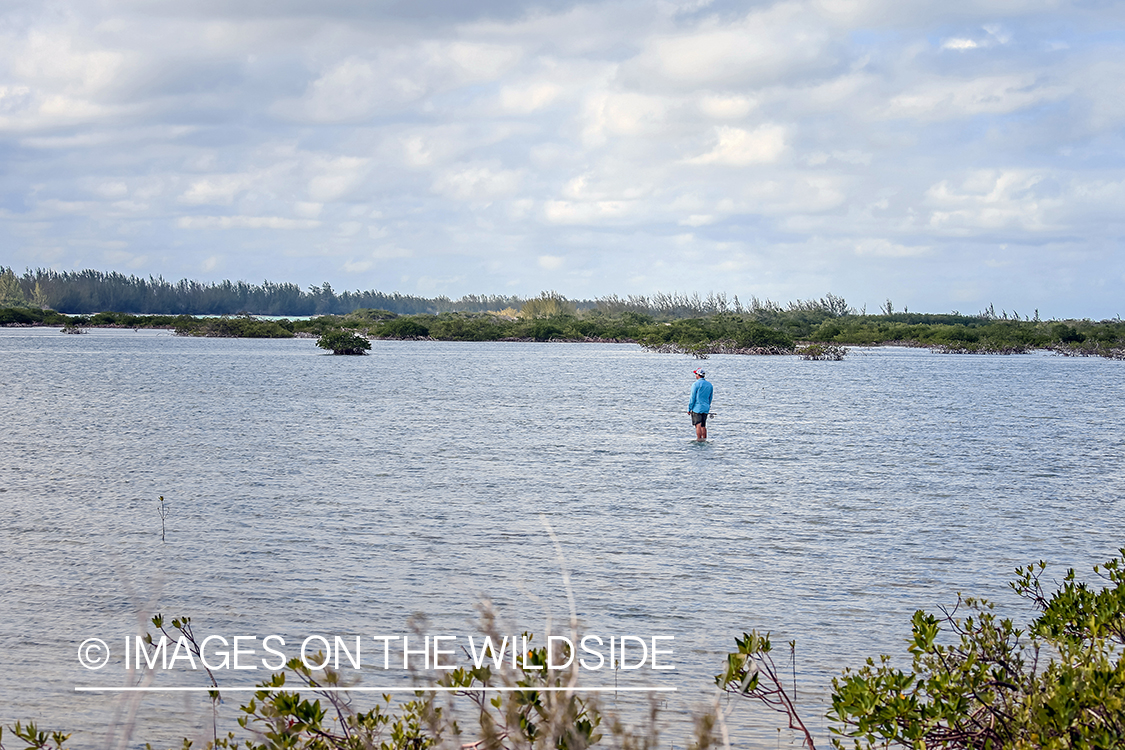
x,y
163,517
751,673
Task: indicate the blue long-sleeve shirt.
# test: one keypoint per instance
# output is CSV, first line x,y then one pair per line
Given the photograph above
x,y
701,392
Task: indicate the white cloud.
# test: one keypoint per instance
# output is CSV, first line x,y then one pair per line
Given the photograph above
x,y
763,47
959,44
477,183
608,114
336,178
719,107
739,148
244,222
354,88
55,56
59,79
131,206
998,32
360,86
14,99
308,209
67,207
479,61
882,248
593,212
114,189
122,258
994,34
948,98
698,220
388,252
1034,202
358,266
851,156
1099,85
528,98
216,190
989,200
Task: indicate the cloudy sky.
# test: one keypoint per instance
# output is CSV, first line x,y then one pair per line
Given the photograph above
x,y
943,154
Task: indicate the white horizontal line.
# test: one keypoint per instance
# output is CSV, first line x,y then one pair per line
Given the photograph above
x,y
298,688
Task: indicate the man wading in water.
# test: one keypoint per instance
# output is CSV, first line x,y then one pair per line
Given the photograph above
x,y
700,405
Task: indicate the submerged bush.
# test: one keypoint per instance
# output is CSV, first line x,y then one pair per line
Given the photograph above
x,y
830,352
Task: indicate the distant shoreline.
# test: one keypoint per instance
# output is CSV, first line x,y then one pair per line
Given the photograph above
x,y
812,333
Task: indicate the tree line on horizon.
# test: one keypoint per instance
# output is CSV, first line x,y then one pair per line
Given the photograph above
x,y
89,292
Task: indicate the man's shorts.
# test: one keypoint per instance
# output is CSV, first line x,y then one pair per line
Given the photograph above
x,y
698,418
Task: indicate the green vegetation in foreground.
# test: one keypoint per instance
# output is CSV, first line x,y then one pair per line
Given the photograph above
x,y
827,324
975,681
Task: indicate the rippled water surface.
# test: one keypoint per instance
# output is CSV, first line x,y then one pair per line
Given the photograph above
x,y
345,495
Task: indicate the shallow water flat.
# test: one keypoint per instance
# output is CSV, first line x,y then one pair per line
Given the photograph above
x,y
308,493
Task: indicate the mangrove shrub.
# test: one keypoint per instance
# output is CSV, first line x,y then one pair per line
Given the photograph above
x,y
977,680
344,342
